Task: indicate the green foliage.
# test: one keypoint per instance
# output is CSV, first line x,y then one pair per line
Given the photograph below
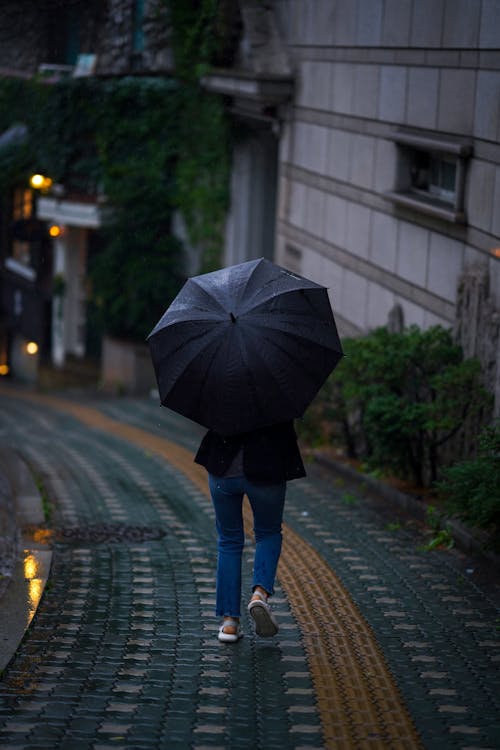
x,y
393,526
471,489
412,393
349,498
320,423
137,146
194,38
441,539
47,505
150,145
202,173
203,165
117,137
397,399
434,517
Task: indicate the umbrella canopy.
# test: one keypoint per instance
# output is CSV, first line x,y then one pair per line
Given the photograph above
x,y
244,347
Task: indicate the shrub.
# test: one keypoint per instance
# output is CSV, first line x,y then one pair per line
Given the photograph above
x,y
399,399
471,489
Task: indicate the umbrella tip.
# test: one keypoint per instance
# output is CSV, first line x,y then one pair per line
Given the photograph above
x,y
233,319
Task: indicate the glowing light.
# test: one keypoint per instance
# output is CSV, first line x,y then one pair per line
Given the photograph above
x,y
33,577
32,347
35,590
496,252
30,567
43,536
40,182
54,230
36,180
4,369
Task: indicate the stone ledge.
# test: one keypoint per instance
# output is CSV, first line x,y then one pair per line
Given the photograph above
x,y
468,539
28,566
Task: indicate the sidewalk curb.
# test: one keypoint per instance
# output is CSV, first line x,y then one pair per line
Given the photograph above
x,y
30,563
468,540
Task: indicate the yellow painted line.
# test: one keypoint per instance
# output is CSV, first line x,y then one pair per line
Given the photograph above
x,y
358,700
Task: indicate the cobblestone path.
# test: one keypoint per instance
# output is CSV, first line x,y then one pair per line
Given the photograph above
x,y
376,637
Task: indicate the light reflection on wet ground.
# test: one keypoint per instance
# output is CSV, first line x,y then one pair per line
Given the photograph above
x,y
35,574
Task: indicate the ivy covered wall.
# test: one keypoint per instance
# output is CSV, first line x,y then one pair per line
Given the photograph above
x,y
149,146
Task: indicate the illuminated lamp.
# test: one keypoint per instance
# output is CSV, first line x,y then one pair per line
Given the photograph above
x,y
32,347
496,252
40,182
55,230
4,370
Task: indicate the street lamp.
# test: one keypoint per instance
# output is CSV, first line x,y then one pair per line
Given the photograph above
x,y
55,230
40,182
32,347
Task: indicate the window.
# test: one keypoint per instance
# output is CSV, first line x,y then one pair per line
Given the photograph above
x,y
24,229
63,33
434,175
138,40
22,211
431,175
22,204
137,26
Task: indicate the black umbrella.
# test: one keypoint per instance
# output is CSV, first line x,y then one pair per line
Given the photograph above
x,y
244,347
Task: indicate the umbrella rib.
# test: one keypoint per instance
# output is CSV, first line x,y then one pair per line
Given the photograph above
x,y
300,363
295,332
290,292
272,375
207,337
207,372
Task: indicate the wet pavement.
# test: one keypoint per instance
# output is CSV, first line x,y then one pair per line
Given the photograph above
x,y
381,644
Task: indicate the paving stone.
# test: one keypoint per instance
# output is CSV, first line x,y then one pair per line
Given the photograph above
x,y
121,643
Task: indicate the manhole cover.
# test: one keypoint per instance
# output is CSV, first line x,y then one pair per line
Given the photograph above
x,y
111,532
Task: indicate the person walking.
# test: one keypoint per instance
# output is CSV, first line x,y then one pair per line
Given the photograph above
x,y
259,464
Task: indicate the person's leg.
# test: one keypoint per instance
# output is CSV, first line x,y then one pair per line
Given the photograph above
x,y
267,504
227,497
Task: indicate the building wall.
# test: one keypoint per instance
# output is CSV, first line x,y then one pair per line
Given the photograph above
x,y
34,33
22,36
364,69
118,49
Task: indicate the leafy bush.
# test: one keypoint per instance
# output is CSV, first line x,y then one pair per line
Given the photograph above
x,y
471,489
399,398
138,270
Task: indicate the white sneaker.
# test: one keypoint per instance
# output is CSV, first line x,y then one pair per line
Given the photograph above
x,y
230,637
266,624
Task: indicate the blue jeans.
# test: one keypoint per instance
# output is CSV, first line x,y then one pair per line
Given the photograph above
x,y
267,503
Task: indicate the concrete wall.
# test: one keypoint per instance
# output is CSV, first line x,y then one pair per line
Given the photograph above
x,y
363,69
126,368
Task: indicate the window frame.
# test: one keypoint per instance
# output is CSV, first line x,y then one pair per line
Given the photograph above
x,y
448,205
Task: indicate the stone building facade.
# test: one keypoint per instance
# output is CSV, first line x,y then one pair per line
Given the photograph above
x,y
126,36
367,154
387,158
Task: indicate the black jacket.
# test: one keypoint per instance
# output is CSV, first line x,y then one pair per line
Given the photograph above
x,y
270,454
